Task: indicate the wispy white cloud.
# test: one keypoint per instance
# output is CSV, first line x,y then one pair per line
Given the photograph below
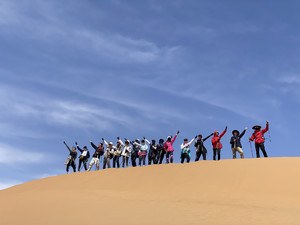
x,y
11,156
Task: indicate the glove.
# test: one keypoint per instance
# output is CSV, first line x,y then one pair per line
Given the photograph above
x,y
195,136
118,138
64,142
102,139
226,128
90,141
178,132
76,143
144,138
267,122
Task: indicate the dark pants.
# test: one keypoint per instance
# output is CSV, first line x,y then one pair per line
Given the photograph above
x,y
217,151
198,155
185,156
161,156
106,161
142,158
72,164
133,159
262,147
84,161
169,155
125,160
116,161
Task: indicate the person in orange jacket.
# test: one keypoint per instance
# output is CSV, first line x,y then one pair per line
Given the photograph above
x,y
258,136
216,142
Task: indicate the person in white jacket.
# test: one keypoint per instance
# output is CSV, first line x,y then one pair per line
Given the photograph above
x,y
126,153
109,152
117,153
143,152
185,150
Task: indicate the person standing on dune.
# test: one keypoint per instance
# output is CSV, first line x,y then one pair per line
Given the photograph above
x,y
216,142
185,150
96,156
117,153
71,158
169,147
143,152
152,156
259,138
109,152
135,150
160,151
200,148
235,142
126,153
84,157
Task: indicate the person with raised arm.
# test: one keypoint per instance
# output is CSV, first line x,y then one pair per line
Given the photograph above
x,y
108,154
200,148
168,146
84,157
216,142
160,151
136,147
126,153
152,156
117,153
71,158
235,142
99,151
258,136
143,152
185,150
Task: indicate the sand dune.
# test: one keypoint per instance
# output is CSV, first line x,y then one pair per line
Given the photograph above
x,y
250,191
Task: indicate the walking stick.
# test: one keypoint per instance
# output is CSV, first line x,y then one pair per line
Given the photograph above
x,y
251,148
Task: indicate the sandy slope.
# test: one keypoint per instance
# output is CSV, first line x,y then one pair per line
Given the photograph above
x,y
250,191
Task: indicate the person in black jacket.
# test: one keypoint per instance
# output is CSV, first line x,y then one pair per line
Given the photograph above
x,y
152,156
71,158
235,142
160,151
135,149
200,148
84,157
99,151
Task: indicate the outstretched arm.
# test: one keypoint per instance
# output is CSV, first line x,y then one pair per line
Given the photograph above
x,y
266,129
93,145
208,137
244,131
67,146
223,132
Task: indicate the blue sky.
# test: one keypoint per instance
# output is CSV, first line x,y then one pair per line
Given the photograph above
x,y
80,70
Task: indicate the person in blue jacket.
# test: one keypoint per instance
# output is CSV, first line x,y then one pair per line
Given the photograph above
x,y
235,142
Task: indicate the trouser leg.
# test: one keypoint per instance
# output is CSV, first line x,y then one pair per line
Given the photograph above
x,y
257,150
73,166
198,154
262,147
219,154
79,165
233,153
114,161
98,163
91,164
118,161
85,164
104,162
123,161
127,159
133,160
144,160
171,153
239,149
182,158
204,155
188,158
68,165
215,153
167,157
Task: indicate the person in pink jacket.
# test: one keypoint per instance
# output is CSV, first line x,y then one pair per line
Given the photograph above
x,y
168,146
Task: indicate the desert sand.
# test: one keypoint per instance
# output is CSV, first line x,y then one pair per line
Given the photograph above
x,y
249,191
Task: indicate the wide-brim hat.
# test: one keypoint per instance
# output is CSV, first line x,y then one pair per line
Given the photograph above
x,y
235,131
256,127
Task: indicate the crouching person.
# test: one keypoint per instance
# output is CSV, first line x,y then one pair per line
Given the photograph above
x,y
109,153
99,151
84,157
126,153
185,150
235,142
71,158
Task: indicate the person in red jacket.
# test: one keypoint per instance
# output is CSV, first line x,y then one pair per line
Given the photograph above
x,y
258,136
216,142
